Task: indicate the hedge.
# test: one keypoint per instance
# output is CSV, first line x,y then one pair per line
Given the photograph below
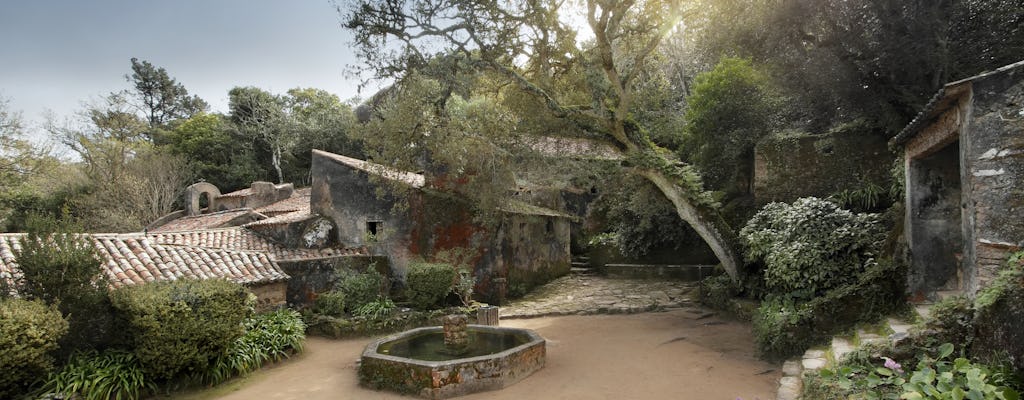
x,y
29,332
182,327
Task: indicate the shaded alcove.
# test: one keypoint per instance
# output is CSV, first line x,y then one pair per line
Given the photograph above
x,y
935,198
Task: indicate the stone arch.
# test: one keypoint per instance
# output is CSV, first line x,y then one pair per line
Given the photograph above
x,y
194,192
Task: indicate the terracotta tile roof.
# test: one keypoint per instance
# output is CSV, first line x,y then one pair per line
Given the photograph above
x,y
133,259
242,239
298,202
281,219
210,221
237,193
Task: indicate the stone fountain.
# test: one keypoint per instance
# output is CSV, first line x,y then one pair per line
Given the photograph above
x,y
453,360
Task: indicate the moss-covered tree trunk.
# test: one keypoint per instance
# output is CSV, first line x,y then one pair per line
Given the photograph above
x,y
708,223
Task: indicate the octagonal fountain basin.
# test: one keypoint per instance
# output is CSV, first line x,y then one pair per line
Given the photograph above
x,y
420,362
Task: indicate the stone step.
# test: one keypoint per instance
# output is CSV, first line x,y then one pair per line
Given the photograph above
x,y
691,273
580,264
582,271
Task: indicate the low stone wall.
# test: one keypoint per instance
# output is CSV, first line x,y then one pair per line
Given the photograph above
x,y
687,273
447,379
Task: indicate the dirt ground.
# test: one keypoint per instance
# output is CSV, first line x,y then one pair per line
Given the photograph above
x,y
669,355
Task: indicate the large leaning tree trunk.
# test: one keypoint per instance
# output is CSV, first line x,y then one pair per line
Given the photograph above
x,y
396,37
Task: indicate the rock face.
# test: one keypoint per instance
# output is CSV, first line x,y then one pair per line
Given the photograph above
x,y
964,167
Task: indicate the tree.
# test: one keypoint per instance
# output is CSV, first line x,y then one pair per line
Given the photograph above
x,y
261,117
730,109
528,44
217,153
160,97
105,135
19,158
319,120
59,266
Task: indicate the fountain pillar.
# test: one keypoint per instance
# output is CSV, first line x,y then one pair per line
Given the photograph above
x,y
456,339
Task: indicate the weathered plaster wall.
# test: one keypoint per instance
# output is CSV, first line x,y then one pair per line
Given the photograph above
x,y
791,165
270,296
522,249
994,156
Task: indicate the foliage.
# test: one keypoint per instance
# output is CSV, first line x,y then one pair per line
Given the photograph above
x,y
182,326
376,310
950,321
935,377
811,246
112,374
29,332
867,197
215,151
427,284
717,291
640,218
461,258
359,289
527,51
784,327
730,108
59,266
999,312
269,336
160,97
330,303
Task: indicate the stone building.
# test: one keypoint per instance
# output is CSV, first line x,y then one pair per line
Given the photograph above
x,y
964,166
527,247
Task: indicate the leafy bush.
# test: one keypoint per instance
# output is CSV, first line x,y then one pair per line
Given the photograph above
x,y
113,374
270,336
182,326
933,378
811,246
330,303
784,327
359,288
999,317
60,267
950,321
29,332
716,291
428,284
376,310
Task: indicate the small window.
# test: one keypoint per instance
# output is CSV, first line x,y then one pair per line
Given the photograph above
x,y
373,228
550,226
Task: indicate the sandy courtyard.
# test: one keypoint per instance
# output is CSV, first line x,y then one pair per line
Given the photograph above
x,y
670,355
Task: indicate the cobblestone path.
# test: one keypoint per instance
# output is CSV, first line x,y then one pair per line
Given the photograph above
x,y
588,294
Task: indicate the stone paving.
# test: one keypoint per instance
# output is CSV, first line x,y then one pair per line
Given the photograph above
x,y
589,294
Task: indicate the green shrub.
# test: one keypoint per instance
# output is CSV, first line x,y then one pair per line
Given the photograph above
x,y
784,327
29,332
330,303
359,288
428,284
113,374
811,246
999,317
268,337
376,310
177,327
60,267
717,291
933,378
950,321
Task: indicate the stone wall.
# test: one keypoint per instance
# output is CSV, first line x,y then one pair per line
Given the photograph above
x,y
518,248
270,296
995,172
791,165
312,277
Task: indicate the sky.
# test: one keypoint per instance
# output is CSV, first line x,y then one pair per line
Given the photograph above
x,y
57,54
